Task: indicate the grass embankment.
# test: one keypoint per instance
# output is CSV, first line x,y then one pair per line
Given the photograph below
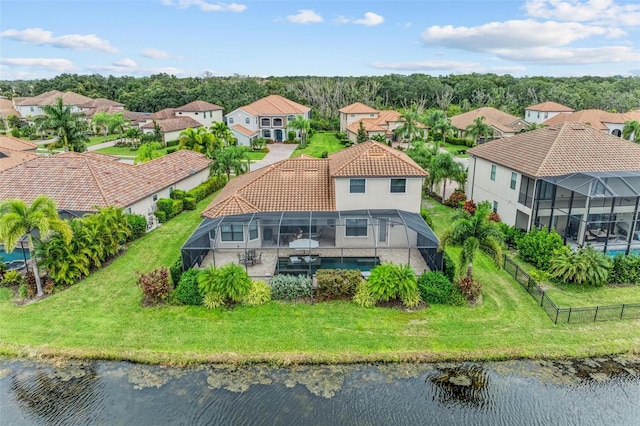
x,y
318,143
453,149
101,317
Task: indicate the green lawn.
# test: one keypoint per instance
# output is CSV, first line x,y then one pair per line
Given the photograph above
x,y
318,143
123,151
256,155
101,317
95,140
453,149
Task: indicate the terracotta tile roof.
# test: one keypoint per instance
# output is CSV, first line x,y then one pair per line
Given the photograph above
x,y
502,121
35,100
549,107
101,156
81,182
198,106
174,124
592,117
10,158
295,184
244,130
163,114
369,124
373,159
275,105
358,108
388,115
136,117
50,98
16,144
6,108
561,149
100,103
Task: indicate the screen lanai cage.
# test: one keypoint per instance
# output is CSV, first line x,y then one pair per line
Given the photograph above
x,y
271,243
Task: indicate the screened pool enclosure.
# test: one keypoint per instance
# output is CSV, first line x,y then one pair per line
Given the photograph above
x,y
269,243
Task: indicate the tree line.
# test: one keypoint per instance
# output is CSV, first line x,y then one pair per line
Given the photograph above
x,y
325,95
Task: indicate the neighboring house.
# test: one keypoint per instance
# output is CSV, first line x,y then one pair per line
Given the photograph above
x,y
203,112
355,112
10,158
570,177
101,105
607,122
17,144
6,109
81,183
34,106
360,204
267,117
385,122
544,111
171,127
504,125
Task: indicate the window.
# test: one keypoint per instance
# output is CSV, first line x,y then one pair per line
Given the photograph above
x,y
372,115
546,115
155,197
398,186
514,180
253,231
170,190
495,206
31,108
247,120
528,113
493,172
353,115
291,117
196,113
538,114
128,210
277,122
356,186
266,133
231,232
265,122
230,120
356,228
180,113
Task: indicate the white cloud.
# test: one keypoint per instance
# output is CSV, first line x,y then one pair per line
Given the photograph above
x,y
370,20
571,56
58,65
119,69
304,16
39,36
516,34
126,63
155,54
206,6
600,11
425,65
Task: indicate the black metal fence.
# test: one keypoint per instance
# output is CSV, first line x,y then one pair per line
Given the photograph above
x,y
569,315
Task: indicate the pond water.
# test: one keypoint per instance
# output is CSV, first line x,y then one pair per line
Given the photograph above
x,y
584,392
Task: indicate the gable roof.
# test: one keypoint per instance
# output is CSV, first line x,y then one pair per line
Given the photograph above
x,y
243,130
275,105
198,106
174,124
494,117
81,182
163,114
369,124
51,98
103,103
592,117
373,159
358,108
16,144
6,108
10,158
549,107
561,149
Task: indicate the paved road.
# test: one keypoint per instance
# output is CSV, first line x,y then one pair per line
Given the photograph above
x,y
277,152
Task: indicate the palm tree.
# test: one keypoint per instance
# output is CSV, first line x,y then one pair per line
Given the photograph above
x,y
443,167
431,118
68,125
147,152
479,129
586,266
531,126
18,219
444,127
230,159
101,121
302,125
631,128
410,127
222,134
474,232
117,123
198,140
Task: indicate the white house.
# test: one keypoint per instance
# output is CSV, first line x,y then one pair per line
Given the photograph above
x,y
543,111
203,112
34,106
373,121
267,117
504,125
170,127
355,112
607,122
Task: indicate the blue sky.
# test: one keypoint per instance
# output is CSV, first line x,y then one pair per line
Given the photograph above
x,y
41,39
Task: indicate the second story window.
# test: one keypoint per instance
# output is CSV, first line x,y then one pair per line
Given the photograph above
x,y
357,186
514,180
247,120
230,120
493,172
277,122
265,122
398,186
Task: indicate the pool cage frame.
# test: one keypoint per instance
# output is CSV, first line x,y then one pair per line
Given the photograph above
x,y
268,243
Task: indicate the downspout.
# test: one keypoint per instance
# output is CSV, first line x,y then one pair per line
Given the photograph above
x,y
473,178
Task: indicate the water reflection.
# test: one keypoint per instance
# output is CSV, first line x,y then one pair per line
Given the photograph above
x,y
464,385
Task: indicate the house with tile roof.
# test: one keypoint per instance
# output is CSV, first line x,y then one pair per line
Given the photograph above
x,y
607,122
375,122
203,112
173,121
10,157
355,112
570,177
362,202
17,144
83,182
34,106
504,125
93,106
6,109
543,111
170,128
267,117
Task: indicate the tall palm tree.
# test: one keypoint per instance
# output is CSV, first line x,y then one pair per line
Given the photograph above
x,y
479,129
198,140
410,128
302,125
631,128
431,118
68,125
230,159
443,127
474,232
442,167
18,219
101,122
117,123
222,134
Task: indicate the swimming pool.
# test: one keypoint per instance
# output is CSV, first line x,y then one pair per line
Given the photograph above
x,y
301,266
16,254
614,253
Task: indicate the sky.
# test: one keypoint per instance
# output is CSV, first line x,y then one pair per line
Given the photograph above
x,y
42,39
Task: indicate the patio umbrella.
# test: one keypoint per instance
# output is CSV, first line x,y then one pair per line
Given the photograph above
x,y
304,243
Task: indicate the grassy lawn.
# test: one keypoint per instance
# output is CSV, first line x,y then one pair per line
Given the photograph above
x,y
453,149
95,140
320,142
123,151
256,155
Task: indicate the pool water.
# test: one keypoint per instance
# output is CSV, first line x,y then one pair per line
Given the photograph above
x,y
614,253
362,263
16,254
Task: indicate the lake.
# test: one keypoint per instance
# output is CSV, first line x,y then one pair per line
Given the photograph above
x,y
582,392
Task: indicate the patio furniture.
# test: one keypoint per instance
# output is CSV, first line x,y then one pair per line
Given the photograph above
x,y
304,244
251,258
311,260
294,259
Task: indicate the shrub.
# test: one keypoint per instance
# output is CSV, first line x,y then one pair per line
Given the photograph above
x,y
625,270
189,203
494,217
456,198
427,217
32,289
162,216
48,285
259,294
291,135
291,287
174,142
436,288
155,286
177,207
165,205
537,247
187,291
586,266
337,283
177,194
12,278
363,296
394,281
175,271
449,267
510,234
324,154
171,150
470,206
470,288
213,300
23,291
138,225
459,141
230,281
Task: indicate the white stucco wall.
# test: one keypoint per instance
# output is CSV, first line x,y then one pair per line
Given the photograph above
x,y
206,118
378,195
347,119
239,117
533,116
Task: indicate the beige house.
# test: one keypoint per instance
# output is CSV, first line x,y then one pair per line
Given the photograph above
x,y
361,203
93,106
504,125
80,183
543,111
607,122
203,112
355,112
170,127
267,117
173,121
34,106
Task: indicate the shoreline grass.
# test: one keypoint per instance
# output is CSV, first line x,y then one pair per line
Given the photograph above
x,y
101,317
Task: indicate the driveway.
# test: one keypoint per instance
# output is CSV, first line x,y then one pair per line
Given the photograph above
x,y
277,152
